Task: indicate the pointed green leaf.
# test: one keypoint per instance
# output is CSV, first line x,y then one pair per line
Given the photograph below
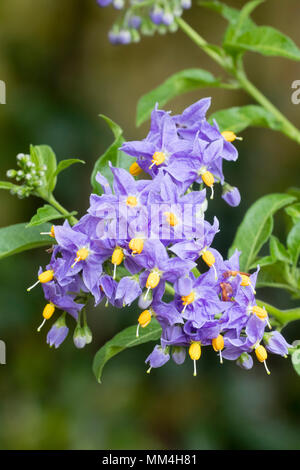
x,y
45,214
237,119
293,243
64,164
265,40
257,226
294,212
276,275
17,238
278,250
177,84
229,13
113,155
242,22
124,340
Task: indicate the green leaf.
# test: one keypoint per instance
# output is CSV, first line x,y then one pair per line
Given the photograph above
x,y
17,238
124,340
229,13
294,212
276,275
239,118
181,82
242,22
278,250
45,214
44,155
265,40
296,360
293,243
64,164
257,226
264,261
113,155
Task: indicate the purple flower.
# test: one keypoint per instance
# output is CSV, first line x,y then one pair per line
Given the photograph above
x,y
83,255
161,147
192,115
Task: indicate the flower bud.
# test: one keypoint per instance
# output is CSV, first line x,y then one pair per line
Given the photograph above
x,y
79,337
231,195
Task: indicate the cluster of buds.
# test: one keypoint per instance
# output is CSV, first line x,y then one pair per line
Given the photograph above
x,y
28,174
144,17
147,238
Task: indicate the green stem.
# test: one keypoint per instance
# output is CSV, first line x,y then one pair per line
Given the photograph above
x,y
62,210
239,74
286,126
200,41
283,316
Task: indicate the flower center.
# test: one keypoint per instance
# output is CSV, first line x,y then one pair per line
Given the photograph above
x,y
171,218
131,201
188,299
158,158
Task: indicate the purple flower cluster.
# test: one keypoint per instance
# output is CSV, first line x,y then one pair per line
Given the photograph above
x,y
142,238
140,17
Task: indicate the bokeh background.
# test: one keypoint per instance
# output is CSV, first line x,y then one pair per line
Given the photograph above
x,y
61,72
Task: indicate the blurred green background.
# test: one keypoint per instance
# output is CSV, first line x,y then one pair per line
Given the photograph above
x,y
61,72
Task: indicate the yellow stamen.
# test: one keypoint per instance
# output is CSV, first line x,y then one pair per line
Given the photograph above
x,y
51,233
262,356
188,299
230,136
195,353
136,245
131,201
259,312
218,343
153,280
157,159
208,178
47,313
208,258
246,282
171,218
135,169
143,320
116,259
44,277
